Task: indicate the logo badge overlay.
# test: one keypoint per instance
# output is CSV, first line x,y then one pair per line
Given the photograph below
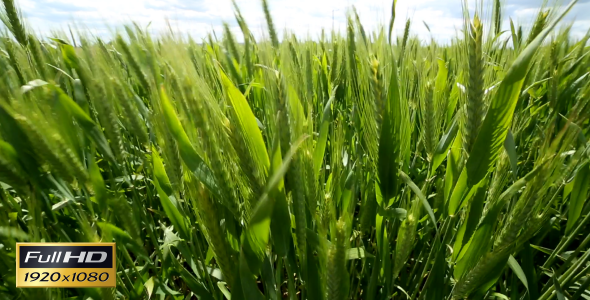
x,y
65,265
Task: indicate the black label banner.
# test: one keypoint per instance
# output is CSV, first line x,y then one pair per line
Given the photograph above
x,y
65,257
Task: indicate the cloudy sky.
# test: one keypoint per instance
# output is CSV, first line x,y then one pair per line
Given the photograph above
x,y
303,17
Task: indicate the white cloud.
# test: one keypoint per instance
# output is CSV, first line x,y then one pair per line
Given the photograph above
x,y
302,17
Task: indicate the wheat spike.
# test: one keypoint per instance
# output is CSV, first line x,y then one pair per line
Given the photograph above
x,y
173,164
35,49
497,17
127,216
337,275
479,273
405,238
10,49
216,236
10,173
539,25
404,43
231,42
134,65
44,148
473,115
299,209
429,120
74,165
108,119
131,113
271,28
212,141
377,87
12,20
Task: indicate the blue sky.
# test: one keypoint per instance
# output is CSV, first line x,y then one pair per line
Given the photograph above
x,y
303,17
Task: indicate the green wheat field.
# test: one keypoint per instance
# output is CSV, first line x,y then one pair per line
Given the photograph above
x,y
354,165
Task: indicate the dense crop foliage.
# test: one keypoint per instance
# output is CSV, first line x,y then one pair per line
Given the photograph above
x,y
357,165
